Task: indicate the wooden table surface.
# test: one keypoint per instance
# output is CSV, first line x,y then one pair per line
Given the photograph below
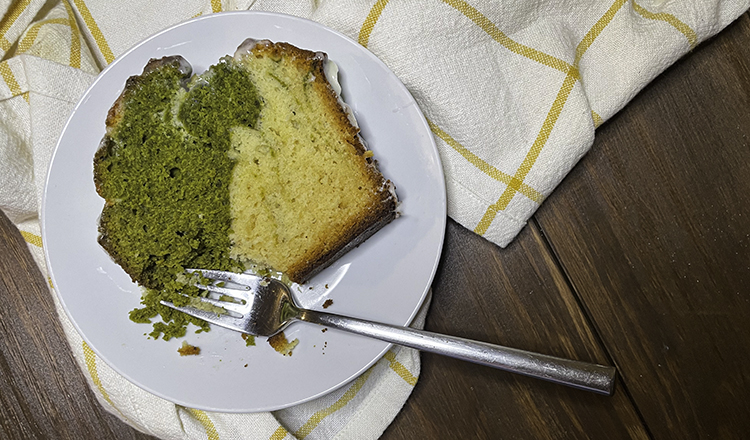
x,y
640,259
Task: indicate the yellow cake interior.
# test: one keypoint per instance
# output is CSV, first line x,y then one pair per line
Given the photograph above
x,y
298,179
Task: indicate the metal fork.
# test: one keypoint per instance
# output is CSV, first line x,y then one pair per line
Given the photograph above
x,y
264,306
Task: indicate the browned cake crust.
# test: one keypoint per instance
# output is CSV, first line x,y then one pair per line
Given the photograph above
x,y
357,233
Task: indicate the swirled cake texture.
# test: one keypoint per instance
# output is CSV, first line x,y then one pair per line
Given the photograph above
x,y
254,163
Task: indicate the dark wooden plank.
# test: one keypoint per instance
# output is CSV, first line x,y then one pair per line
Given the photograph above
x,y
43,394
515,297
653,229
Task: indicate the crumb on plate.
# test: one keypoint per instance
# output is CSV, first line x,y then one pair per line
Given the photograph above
x,y
249,339
281,344
188,350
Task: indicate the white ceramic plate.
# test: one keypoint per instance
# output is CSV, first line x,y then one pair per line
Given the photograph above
x,y
385,279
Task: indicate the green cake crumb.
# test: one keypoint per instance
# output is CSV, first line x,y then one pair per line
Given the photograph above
x,y
164,170
249,340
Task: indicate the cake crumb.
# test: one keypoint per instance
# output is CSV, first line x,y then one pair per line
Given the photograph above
x,y
281,344
188,350
249,340
327,303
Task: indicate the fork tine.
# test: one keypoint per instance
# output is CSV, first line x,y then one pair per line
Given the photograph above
x,y
245,294
227,321
227,305
239,278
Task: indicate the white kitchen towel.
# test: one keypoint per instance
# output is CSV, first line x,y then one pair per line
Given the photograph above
x,y
513,92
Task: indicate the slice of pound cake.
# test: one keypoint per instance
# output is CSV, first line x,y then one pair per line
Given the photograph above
x,y
255,163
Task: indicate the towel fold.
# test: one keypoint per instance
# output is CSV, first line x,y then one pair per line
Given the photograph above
x,y
513,92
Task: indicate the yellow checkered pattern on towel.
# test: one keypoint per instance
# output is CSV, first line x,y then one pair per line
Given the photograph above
x,y
517,189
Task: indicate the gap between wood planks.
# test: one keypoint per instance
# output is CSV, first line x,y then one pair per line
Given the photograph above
x,y
621,383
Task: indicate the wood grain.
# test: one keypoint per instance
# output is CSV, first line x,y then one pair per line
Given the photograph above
x,y
515,297
653,230
43,394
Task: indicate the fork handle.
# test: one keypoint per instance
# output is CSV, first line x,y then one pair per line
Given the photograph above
x,y
582,375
